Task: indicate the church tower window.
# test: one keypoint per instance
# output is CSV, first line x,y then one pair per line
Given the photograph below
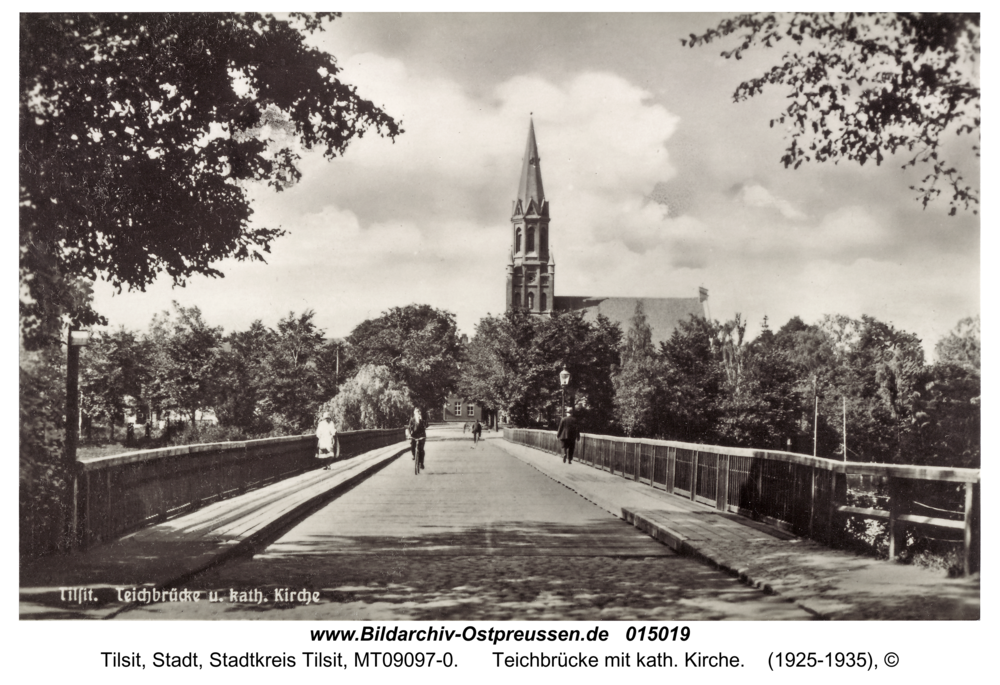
x,y
517,241
531,301
531,240
544,303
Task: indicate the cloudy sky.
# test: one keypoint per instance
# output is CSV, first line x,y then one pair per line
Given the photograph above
x,y
658,184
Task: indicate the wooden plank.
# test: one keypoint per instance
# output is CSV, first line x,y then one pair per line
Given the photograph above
x,y
967,528
867,513
930,521
722,482
812,498
903,518
912,472
694,473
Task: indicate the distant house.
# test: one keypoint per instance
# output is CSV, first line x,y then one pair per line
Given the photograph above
x,y
136,413
459,410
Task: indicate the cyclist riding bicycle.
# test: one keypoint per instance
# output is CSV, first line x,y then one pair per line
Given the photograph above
x,y
416,430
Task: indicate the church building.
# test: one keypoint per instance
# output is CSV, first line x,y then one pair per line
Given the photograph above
x,y
531,268
531,275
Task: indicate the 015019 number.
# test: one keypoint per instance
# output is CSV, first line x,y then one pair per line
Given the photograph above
x,y
658,634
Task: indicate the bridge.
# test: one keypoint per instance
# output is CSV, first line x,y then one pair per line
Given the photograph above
x,y
499,530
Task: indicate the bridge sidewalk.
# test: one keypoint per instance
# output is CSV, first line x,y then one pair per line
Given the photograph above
x,y
169,553
831,583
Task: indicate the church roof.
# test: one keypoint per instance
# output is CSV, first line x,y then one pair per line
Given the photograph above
x,y
662,313
530,187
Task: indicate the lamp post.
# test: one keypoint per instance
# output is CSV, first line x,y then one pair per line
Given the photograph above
x,y
75,341
563,382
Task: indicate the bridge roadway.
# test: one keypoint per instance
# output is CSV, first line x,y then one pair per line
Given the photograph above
x,y
479,535
500,531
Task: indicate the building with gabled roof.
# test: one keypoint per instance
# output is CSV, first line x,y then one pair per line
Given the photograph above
x,y
531,267
531,277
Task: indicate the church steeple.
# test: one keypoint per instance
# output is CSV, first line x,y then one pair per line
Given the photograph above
x,y
530,275
530,187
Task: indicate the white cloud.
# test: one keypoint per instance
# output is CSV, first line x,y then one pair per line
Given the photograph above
x,y
426,219
755,195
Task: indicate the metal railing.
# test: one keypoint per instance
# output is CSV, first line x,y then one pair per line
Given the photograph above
x,y
118,494
803,494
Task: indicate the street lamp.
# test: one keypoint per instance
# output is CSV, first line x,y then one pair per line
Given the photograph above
x,y
563,382
75,341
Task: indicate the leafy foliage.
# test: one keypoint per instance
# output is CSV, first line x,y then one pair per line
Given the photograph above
x,y
43,475
691,382
113,367
242,378
418,344
513,364
186,361
291,387
138,135
864,86
498,369
757,406
372,399
636,382
962,345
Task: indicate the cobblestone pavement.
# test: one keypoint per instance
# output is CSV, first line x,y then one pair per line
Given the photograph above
x,y
479,535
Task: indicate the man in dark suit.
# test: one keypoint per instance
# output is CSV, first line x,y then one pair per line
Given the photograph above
x,y
568,433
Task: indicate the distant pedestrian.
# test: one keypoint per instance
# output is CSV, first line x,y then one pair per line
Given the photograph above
x,y
465,428
477,430
568,433
326,436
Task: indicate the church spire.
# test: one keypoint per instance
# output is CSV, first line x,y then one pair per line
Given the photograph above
x,y
530,187
530,272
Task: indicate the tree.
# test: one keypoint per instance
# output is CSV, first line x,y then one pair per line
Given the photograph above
x,y
498,371
875,372
113,367
687,405
372,399
43,472
291,386
589,352
863,86
946,409
962,345
757,405
139,134
636,382
242,378
513,364
418,344
187,361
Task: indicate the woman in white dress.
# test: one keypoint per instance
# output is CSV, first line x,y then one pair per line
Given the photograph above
x,y
326,434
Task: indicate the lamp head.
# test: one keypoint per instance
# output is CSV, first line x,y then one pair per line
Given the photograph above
x,y
79,338
564,377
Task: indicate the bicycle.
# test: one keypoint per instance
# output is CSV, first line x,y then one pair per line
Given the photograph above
x,y
417,449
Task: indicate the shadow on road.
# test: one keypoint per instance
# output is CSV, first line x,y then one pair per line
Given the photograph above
x,y
516,571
